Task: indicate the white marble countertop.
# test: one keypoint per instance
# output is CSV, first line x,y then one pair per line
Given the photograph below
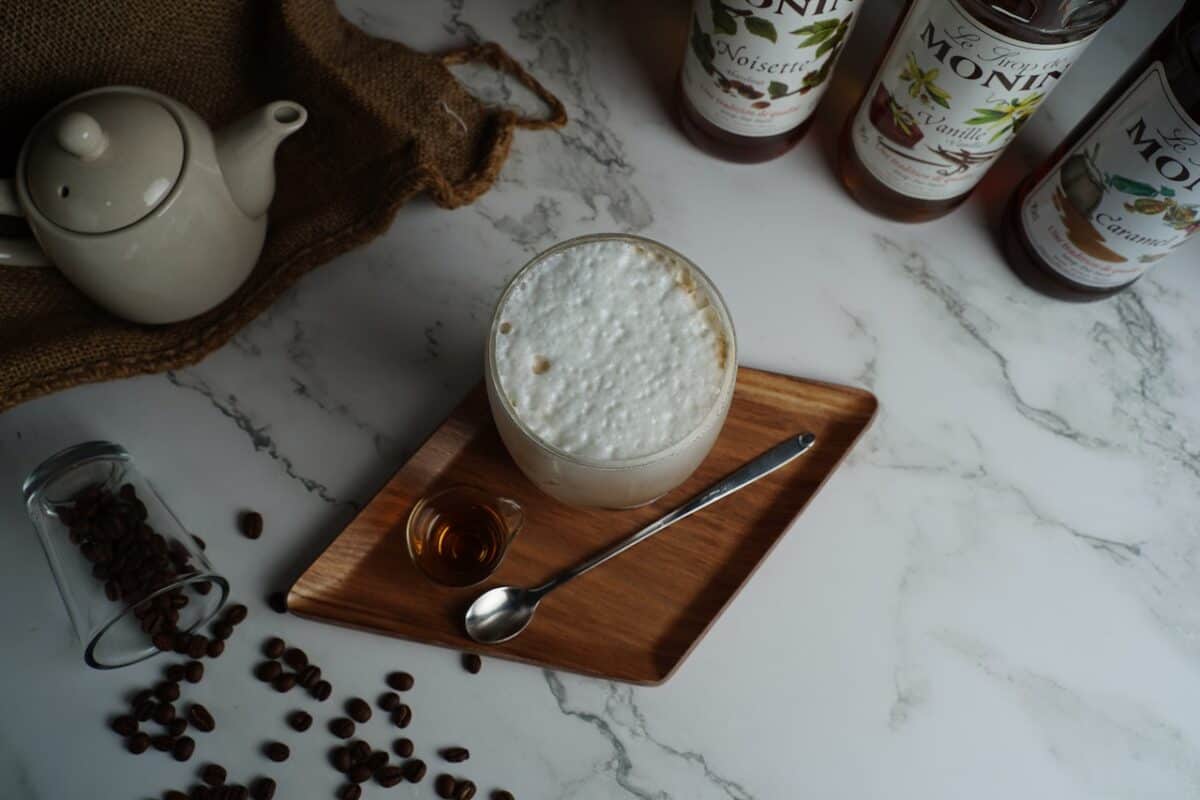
x,y
996,597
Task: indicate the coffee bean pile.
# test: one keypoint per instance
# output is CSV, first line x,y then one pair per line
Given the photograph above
x,y
213,786
157,703
133,561
451,788
303,674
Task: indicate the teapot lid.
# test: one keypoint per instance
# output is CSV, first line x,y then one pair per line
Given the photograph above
x,y
103,160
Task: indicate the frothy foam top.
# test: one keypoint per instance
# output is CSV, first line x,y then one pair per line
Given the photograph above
x,y
610,350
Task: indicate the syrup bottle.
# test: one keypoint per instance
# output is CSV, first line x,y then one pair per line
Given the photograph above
x,y
755,70
1122,192
958,82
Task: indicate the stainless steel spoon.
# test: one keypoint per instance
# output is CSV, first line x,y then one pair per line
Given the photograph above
x,y
499,614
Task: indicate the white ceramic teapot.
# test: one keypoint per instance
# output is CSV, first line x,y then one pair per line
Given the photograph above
x,y
140,205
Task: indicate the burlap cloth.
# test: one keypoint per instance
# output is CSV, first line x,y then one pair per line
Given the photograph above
x,y
385,122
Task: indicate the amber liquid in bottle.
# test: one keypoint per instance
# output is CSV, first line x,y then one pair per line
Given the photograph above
x,y
1178,50
730,146
1038,23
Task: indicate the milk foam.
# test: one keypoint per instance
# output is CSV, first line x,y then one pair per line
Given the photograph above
x,y
610,350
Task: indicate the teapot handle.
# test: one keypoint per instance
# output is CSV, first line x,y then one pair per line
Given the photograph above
x,y
17,252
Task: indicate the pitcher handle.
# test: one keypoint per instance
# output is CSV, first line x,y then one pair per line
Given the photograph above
x,y
14,251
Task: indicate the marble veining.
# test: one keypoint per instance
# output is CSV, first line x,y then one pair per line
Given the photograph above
x,y
997,596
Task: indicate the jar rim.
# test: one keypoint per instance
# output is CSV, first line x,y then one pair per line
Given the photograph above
x,y
67,459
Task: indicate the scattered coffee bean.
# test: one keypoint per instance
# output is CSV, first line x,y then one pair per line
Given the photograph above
x,y
213,775
197,647
277,751
263,789
175,673
162,743
359,773
203,587
200,717
138,743
181,643
502,794
221,630
300,720
177,727
321,690
171,794
341,759
350,791
414,770
455,755
193,672
465,790
167,691
184,747
444,786
389,776
268,671
215,648
144,710
359,750
164,713
274,647
309,676
377,760
403,747
358,710
402,716
472,663
141,697
400,681
251,523
278,602
285,682
163,641
234,791
341,728
236,614
295,658
125,725
388,701
199,792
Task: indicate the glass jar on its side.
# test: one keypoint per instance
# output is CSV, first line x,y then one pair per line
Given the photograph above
x,y
128,571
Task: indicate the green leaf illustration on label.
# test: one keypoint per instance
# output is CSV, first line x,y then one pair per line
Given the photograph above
x,y
817,32
1008,115
760,27
921,83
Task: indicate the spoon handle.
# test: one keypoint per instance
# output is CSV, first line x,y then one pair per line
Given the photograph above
x,y
748,473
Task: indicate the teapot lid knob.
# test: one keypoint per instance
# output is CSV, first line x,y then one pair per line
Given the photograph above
x,y
80,135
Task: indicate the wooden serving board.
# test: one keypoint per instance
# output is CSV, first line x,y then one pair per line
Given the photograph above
x,y
638,616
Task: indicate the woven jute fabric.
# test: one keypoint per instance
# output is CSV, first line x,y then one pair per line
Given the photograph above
x,y
385,123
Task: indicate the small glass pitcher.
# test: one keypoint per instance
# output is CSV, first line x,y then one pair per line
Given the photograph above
x,y
458,536
127,570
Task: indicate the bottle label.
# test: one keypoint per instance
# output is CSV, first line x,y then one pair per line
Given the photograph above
x,y
1126,195
759,67
949,97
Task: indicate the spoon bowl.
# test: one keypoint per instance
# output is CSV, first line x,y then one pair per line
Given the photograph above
x,y
499,614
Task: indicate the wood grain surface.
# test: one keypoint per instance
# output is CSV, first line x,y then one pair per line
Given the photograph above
x,y
637,617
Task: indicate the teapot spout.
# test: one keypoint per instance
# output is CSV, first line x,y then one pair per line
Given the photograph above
x,y
246,153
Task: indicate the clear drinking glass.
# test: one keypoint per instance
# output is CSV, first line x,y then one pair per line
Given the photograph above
x,y
125,562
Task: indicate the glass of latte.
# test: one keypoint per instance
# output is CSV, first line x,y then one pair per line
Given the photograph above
x,y
611,363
